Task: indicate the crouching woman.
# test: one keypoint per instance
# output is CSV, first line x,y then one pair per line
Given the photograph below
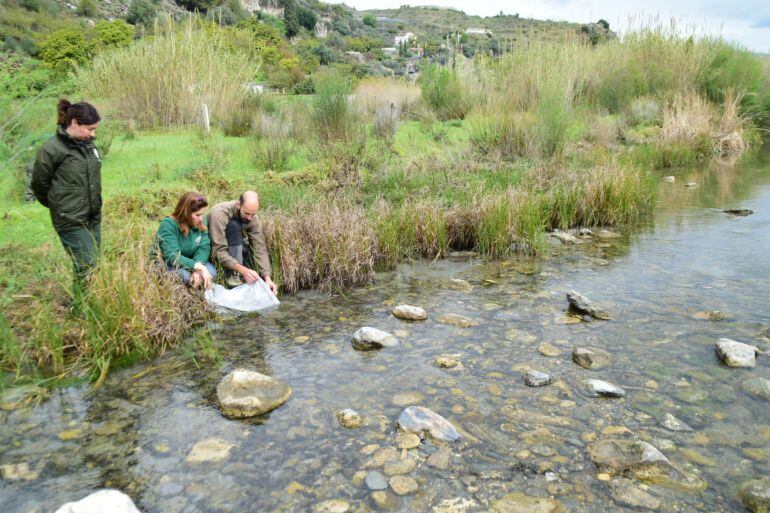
x,y
183,244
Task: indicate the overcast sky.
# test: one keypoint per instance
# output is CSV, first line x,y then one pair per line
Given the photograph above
x,y
744,21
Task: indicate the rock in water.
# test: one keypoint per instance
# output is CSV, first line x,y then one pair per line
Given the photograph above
x,y
626,493
710,315
403,485
376,481
630,457
245,393
669,179
759,387
209,450
599,388
421,420
738,212
606,234
457,320
111,501
332,506
691,185
565,237
448,361
410,313
674,424
367,338
755,495
736,354
350,419
591,357
535,378
585,306
519,503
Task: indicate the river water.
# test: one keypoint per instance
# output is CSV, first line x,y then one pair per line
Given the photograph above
x,y
136,432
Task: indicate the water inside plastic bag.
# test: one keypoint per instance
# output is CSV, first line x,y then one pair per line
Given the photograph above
x,y
243,298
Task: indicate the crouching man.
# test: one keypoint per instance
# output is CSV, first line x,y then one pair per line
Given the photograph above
x,y
237,241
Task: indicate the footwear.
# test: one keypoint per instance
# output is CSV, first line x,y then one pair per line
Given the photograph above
x,y
234,281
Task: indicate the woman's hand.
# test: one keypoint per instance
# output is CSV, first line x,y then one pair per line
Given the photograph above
x,y
204,276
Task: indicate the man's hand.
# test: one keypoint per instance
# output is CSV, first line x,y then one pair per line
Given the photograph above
x,y
249,275
271,284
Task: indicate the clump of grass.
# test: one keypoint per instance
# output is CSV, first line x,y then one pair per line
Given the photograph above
x,y
270,144
238,121
372,94
644,110
327,245
332,115
409,230
386,123
729,139
443,91
164,80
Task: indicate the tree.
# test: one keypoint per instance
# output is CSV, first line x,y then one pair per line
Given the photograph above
x,y
291,18
370,20
306,18
113,34
141,12
604,23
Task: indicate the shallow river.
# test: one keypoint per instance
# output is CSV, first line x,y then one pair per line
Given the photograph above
x,y
136,432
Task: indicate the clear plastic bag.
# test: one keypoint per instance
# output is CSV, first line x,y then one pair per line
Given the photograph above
x,y
243,298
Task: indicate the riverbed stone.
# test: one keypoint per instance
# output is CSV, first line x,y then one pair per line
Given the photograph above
x,y
400,466
382,456
535,378
710,315
456,320
350,419
368,338
627,493
384,500
591,357
103,500
738,212
520,503
565,238
669,179
407,441
583,305
209,450
599,388
439,459
460,285
755,495
736,354
448,361
244,393
759,387
332,506
409,398
403,485
674,424
19,472
410,313
547,349
607,234
376,480
422,421
455,505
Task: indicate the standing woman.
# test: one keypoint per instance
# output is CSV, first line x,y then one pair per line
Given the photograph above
x,y
183,242
67,178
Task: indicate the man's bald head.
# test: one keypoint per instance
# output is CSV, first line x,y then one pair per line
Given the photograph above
x,y
248,205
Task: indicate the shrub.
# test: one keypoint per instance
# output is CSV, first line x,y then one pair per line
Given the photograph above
x,y
113,34
238,121
332,115
164,80
370,20
141,12
87,8
442,90
66,49
270,145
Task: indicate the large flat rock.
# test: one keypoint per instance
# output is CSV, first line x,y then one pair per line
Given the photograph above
x,y
736,354
245,393
422,421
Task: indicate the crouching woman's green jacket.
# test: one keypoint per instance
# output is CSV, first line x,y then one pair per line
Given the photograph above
x,y
67,178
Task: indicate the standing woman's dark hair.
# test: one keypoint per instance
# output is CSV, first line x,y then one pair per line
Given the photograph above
x,y
67,178
84,113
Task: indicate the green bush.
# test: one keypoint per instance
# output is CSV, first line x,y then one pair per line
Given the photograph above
x,y
442,90
370,20
332,115
113,34
23,78
66,49
141,12
87,8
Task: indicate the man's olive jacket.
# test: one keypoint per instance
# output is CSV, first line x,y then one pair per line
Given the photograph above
x,y
67,178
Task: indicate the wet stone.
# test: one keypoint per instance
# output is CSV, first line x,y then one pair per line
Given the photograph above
x,y
738,212
565,237
368,338
103,500
407,398
599,388
382,456
736,354
626,493
459,321
332,506
384,500
421,421
448,361
19,472
673,424
209,450
245,393
410,313
583,305
407,441
710,315
547,349
755,495
460,285
400,466
591,357
403,485
669,179
439,460
535,378
607,234
759,387
456,505
350,419
376,481
521,503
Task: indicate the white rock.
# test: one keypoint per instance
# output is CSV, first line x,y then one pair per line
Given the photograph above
x,y
420,420
245,393
410,313
367,338
565,237
599,388
209,450
669,179
736,354
103,501
674,424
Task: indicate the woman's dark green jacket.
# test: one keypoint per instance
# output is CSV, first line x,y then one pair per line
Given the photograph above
x,y
67,178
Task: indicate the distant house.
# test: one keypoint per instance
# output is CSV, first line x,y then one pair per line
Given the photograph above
x,y
478,31
390,51
403,38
